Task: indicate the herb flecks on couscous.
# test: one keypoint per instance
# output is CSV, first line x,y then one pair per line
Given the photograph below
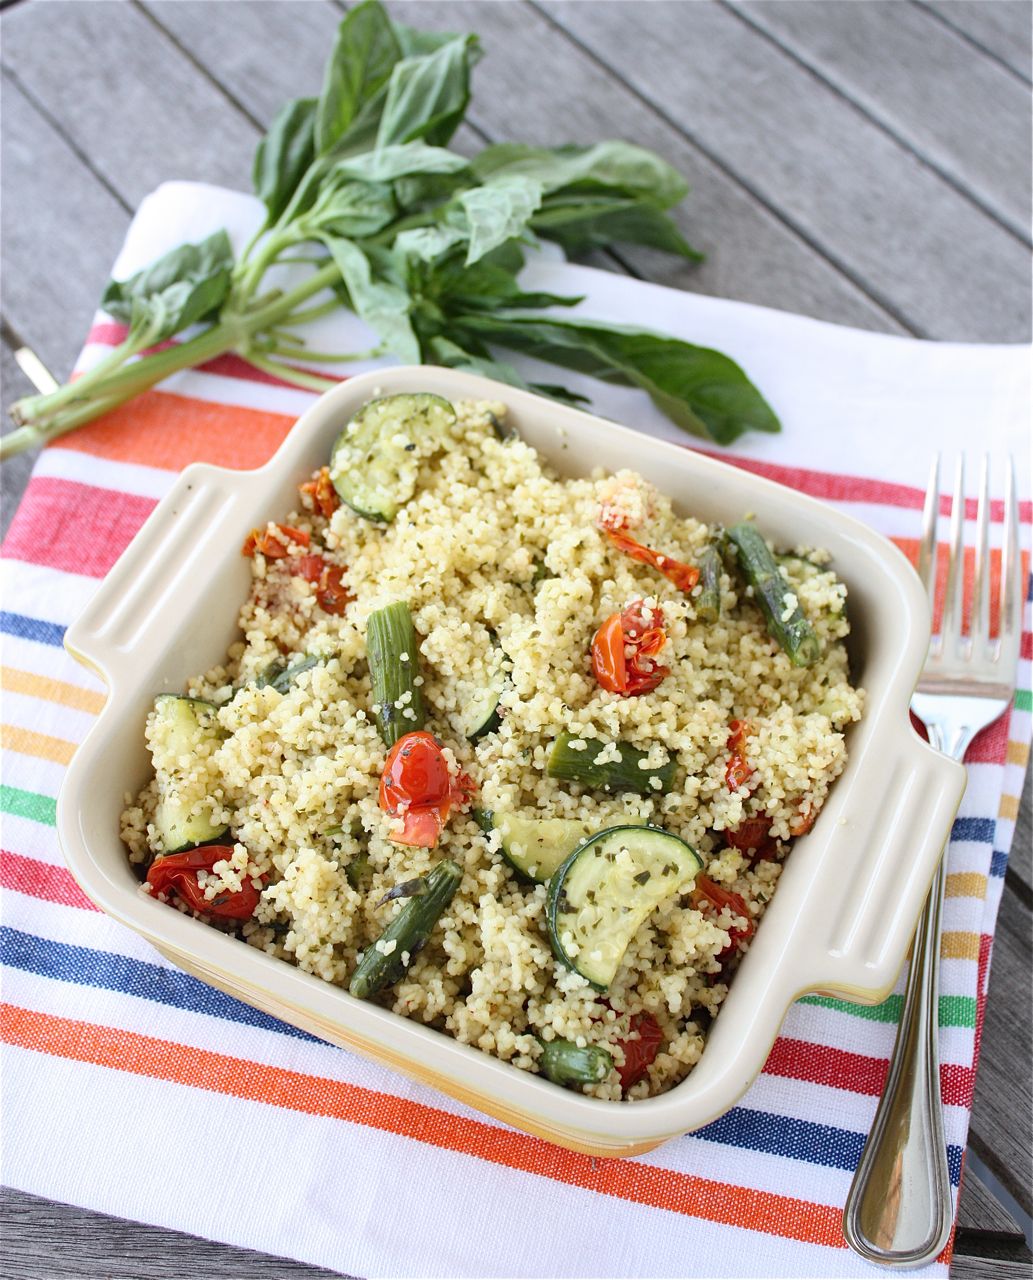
x,y
516,755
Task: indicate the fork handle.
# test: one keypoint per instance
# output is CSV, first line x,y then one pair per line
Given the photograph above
x,y
899,1211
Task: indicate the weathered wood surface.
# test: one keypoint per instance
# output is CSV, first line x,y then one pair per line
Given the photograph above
x,y
865,164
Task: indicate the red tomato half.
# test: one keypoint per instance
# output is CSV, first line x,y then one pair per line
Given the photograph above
x,y
640,1054
273,545
624,647
718,897
738,771
750,834
417,785
321,490
177,873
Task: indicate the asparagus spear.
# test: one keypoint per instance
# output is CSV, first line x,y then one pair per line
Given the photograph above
x,y
394,668
563,1062
782,613
577,764
386,960
708,602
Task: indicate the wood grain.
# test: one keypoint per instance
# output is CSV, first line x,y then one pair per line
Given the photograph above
x,y
126,96
858,198
1003,1136
888,59
1001,28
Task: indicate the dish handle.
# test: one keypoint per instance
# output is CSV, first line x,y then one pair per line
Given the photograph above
x,y
172,551
898,833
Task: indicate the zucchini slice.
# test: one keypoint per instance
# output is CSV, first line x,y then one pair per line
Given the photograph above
x,y
535,847
186,727
606,888
374,465
481,713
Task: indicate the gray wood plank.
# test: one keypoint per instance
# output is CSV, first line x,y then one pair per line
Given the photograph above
x,y
903,68
967,1267
924,251
1020,858
126,96
1001,27
241,45
979,1210
42,1240
1002,1125
59,232
14,474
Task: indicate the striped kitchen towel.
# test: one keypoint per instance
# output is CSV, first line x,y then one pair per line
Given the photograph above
x,y
133,1089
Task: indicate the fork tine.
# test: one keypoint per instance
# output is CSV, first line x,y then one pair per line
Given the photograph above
x,y
930,519
979,631
953,601
1011,565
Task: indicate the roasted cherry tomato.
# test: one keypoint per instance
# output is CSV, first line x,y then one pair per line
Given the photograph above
x,y
326,578
640,1054
750,834
274,546
706,890
803,821
624,647
177,873
322,492
684,576
331,593
309,567
417,786
737,771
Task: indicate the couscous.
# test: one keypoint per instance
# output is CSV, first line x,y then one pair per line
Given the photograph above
x,y
516,755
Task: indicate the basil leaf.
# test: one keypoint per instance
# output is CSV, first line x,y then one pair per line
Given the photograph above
x,y
485,286
452,356
364,55
284,154
383,306
498,212
700,390
619,166
427,95
448,353
387,163
186,285
352,209
581,224
426,244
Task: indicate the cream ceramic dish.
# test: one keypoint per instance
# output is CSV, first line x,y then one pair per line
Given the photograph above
x,y
852,889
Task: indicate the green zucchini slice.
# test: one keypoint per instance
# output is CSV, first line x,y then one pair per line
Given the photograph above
x,y
374,463
188,727
535,847
481,714
606,888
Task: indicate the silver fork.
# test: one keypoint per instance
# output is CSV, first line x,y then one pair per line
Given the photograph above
x,y
899,1211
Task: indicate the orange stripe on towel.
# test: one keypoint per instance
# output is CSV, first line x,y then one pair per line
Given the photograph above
x,y
34,686
166,431
28,742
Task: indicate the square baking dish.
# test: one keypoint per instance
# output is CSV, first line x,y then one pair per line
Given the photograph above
x,y
850,894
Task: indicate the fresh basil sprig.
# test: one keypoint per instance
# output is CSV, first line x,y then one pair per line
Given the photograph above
x,y
424,244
